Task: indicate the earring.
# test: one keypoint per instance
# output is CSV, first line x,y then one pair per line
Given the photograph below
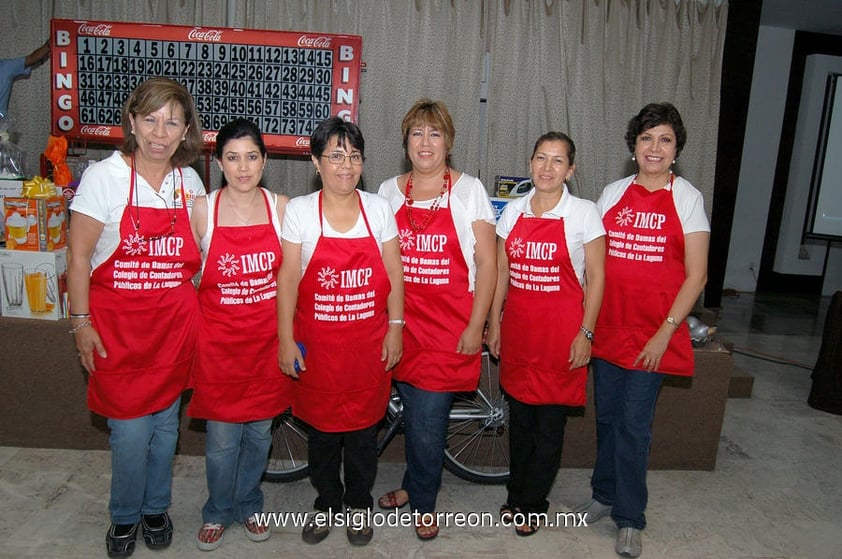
x,y
634,158
184,138
673,161
317,172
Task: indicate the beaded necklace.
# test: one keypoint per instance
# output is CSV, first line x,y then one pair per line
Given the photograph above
x,y
429,214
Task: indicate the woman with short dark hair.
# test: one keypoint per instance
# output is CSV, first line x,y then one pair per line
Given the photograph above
x,y
655,270
340,294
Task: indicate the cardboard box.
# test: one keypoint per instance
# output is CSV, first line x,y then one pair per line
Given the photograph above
x,y
11,188
503,184
36,224
33,284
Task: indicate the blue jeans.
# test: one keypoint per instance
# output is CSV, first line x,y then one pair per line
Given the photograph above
x,y
142,451
235,458
425,420
625,406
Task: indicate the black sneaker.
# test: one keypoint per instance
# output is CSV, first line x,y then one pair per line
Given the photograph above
x,y
359,531
157,530
317,528
120,540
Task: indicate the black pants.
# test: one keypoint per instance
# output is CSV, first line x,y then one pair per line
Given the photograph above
x,y
536,438
328,452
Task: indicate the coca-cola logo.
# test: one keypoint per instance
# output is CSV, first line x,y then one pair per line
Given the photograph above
x,y
99,30
320,42
302,141
209,137
207,35
96,130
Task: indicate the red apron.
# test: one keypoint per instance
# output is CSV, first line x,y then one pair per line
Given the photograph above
x,y
543,311
341,319
237,375
437,307
644,270
144,307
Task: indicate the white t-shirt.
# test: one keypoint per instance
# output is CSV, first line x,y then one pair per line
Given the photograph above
x,y
582,224
103,194
469,203
689,203
302,224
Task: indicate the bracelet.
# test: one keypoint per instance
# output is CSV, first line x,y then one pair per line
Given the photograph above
x,y
80,326
82,315
398,321
588,334
673,321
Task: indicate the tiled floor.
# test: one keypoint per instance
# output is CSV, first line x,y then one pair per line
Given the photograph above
x,y
776,491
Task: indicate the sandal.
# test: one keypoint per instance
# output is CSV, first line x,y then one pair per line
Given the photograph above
x,y
526,530
507,513
157,530
120,540
426,531
390,500
210,536
256,532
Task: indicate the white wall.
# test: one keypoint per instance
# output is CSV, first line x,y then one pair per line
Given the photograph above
x,y
757,170
760,154
787,260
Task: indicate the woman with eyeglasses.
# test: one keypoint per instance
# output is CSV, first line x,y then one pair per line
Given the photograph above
x,y
237,385
446,224
340,294
133,306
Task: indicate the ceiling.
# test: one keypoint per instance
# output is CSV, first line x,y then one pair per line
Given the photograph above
x,y
818,16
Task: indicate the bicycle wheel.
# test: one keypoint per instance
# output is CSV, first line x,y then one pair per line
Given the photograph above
x,y
478,432
288,453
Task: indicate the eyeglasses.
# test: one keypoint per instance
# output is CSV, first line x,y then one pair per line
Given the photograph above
x,y
337,158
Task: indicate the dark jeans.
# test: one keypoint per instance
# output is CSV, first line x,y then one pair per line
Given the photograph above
x,y
625,406
328,453
426,416
536,439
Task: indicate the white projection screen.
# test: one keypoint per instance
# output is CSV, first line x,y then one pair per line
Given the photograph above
x,y
824,213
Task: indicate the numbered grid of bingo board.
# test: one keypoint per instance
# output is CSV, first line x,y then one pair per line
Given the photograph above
x,y
286,82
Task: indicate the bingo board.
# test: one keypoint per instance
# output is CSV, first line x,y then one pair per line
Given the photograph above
x,y
285,81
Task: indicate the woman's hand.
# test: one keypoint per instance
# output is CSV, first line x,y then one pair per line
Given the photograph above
x,y
580,351
88,341
653,351
288,354
392,346
492,338
470,342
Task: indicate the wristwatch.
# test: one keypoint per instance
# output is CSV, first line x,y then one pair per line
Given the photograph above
x,y
588,334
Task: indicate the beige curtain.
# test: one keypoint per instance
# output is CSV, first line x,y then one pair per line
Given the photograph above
x,y
580,66
585,67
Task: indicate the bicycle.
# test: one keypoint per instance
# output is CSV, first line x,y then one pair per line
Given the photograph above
x,y
477,448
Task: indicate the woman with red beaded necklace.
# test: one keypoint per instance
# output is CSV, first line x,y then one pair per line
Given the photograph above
x,y
446,231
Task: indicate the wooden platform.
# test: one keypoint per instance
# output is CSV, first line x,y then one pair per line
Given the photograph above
x,y
45,390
